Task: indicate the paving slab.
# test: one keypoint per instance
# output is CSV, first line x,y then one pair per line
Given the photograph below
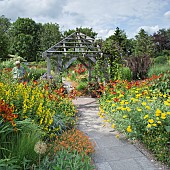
x,y
110,153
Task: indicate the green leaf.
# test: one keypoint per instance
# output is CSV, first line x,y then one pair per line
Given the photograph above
x,y
167,128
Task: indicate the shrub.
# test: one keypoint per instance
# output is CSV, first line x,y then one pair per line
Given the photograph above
x,y
35,74
74,140
139,65
66,159
161,60
158,69
82,86
126,74
19,143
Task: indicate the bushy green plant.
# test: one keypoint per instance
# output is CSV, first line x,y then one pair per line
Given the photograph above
x,y
158,69
35,74
126,74
161,60
162,83
7,64
66,159
19,142
82,86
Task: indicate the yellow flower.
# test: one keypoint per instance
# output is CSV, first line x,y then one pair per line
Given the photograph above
x,y
146,116
121,95
117,136
150,120
129,129
148,97
168,113
126,102
122,102
128,109
139,109
119,108
154,124
149,126
164,95
163,116
166,103
155,98
123,108
148,107
124,116
113,104
158,112
160,94
159,122
113,126
144,103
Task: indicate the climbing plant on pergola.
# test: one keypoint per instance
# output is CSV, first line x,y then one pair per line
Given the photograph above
x,y
76,46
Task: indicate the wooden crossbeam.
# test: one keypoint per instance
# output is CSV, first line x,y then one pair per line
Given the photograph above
x,y
73,52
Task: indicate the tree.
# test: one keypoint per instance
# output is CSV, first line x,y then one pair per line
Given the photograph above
x,y
50,35
87,31
25,40
139,62
115,47
162,41
4,39
144,45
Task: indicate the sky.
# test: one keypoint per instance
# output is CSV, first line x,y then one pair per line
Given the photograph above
x,y
101,15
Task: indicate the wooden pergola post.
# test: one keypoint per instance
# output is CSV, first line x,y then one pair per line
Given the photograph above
x,y
48,67
89,70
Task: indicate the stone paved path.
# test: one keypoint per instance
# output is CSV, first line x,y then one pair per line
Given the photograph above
x,y
110,153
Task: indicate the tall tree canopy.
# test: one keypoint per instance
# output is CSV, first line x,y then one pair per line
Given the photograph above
x,y
115,47
25,40
162,41
50,35
87,31
4,39
144,44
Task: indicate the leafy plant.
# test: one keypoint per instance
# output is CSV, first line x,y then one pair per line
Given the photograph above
x,y
158,69
126,73
139,65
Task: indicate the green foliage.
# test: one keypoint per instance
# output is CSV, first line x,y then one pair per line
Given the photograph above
x,y
162,83
19,143
114,48
158,69
87,31
49,36
144,44
66,159
82,86
126,73
24,38
35,73
141,111
7,64
4,39
161,60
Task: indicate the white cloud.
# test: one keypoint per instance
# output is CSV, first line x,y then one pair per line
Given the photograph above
x,y
167,14
101,15
149,29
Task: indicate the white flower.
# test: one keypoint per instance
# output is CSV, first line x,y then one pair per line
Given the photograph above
x,y
40,147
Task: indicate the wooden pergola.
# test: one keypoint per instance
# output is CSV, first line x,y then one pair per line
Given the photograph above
x,y
76,46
